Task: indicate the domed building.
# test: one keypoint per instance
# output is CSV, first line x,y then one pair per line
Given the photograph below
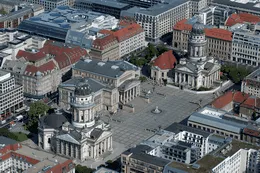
x,y
197,70
78,134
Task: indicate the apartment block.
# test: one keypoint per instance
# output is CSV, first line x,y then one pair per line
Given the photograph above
x,y
50,4
251,84
40,71
111,7
219,41
11,94
20,13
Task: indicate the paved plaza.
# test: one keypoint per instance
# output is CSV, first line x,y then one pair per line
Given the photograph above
x,y
130,129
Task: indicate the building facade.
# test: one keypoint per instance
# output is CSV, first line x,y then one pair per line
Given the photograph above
x,y
244,160
245,48
11,94
50,4
40,71
20,13
116,74
112,8
198,70
251,84
219,41
162,67
85,137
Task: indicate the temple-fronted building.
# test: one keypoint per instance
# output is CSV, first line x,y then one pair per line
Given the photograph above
x,y
79,133
197,70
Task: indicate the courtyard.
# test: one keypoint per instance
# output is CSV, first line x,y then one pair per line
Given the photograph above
x,y
176,105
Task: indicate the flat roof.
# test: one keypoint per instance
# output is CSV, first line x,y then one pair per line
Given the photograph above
x,y
6,141
157,8
109,3
250,5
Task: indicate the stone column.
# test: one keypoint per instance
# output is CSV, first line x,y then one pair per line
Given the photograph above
x,y
188,79
71,150
175,78
193,82
184,77
180,80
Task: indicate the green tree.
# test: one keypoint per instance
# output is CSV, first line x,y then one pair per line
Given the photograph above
x,y
142,79
2,11
83,169
162,49
37,109
235,74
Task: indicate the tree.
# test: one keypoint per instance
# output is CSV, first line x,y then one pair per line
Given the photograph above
x,y
36,109
83,169
162,49
2,11
235,74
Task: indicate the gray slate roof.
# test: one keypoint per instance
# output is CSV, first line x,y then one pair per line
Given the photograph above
x,y
109,3
111,69
176,128
54,120
156,9
7,141
139,153
93,84
216,122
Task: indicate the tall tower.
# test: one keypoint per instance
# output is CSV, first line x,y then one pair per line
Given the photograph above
x,y
197,43
82,106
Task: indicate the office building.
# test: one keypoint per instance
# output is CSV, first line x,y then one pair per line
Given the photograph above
x,y
8,5
130,37
245,48
20,13
198,70
80,136
110,7
159,19
40,71
251,84
11,94
121,75
244,160
138,160
15,157
68,24
218,122
140,3
161,70
52,4
219,41
240,6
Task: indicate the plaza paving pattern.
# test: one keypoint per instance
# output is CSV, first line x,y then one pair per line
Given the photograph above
x,y
130,129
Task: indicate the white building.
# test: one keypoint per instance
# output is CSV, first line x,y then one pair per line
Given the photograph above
x,y
190,143
251,84
159,19
244,160
198,70
246,48
84,138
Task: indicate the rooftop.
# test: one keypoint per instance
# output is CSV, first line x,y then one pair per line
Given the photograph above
x,y
165,61
112,69
242,18
6,141
109,3
156,9
177,127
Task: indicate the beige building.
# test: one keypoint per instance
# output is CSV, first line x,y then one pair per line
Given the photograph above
x,y
251,84
81,135
219,41
105,48
162,67
40,71
116,74
136,160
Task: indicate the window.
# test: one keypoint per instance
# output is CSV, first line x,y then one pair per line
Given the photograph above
x,y
49,140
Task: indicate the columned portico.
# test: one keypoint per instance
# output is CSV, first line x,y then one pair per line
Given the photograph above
x,y
129,91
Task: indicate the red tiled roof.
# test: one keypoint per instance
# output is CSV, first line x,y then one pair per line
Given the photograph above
x,y
101,43
251,102
31,56
182,25
31,69
228,97
125,22
241,18
165,61
223,100
64,55
251,132
240,97
12,147
59,168
219,33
